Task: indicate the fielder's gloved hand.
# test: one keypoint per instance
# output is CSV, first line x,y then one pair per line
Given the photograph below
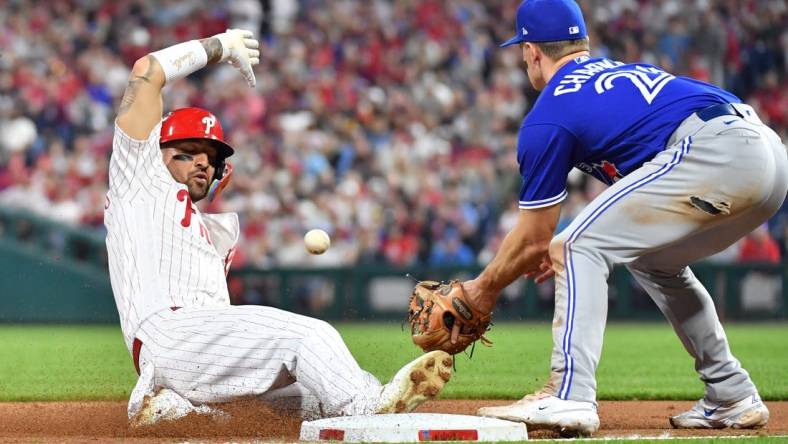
x,y
239,48
441,318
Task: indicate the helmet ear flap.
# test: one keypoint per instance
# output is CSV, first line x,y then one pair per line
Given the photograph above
x,y
219,171
220,180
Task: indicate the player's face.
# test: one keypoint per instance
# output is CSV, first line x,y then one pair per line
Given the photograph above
x,y
533,67
191,163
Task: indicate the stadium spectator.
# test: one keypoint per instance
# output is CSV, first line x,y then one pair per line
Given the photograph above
x,y
759,246
389,124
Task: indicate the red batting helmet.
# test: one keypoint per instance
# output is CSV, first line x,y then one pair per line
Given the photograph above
x,y
195,123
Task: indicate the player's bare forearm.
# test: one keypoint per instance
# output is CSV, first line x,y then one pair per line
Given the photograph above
x,y
141,107
521,251
515,256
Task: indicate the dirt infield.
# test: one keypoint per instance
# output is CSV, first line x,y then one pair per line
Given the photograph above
x,y
106,421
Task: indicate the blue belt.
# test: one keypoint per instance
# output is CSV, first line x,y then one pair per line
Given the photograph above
x,y
714,111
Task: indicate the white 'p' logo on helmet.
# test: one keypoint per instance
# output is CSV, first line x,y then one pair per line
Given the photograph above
x,y
209,122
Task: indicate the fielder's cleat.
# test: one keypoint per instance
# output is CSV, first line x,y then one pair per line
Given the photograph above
x,y
749,413
166,405
416,382
545,411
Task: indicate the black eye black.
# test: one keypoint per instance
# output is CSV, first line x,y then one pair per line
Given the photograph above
x,y
183,157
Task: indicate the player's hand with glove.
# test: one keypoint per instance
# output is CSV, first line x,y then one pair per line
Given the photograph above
x,y
240,49
442,318
141,107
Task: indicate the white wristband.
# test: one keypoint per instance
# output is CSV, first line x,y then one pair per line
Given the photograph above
x,y
178,61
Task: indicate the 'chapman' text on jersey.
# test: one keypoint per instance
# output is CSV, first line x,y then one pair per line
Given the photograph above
x,y
604,117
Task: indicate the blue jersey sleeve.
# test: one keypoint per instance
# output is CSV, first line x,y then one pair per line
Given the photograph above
x,y
546,155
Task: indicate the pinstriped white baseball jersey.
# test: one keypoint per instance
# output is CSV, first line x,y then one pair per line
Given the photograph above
x,y
162,251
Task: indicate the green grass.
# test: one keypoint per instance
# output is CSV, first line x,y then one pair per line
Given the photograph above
x,y
64,363
639,361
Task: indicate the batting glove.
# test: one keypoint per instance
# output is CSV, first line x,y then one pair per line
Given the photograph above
x,y
239,48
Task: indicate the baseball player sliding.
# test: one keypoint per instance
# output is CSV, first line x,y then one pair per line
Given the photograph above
x,y
691,170
168,261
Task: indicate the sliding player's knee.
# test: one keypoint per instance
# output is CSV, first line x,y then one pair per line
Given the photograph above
x,y
322,331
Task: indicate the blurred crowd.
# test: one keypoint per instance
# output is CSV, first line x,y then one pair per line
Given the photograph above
x,y
389,124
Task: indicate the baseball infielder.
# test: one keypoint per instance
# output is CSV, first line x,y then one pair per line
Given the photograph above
x,y
691,170
168,261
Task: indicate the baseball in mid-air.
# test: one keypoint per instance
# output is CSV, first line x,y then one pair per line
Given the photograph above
x,y
316,241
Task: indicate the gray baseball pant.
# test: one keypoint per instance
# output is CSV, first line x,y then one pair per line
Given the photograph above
x,y
715,182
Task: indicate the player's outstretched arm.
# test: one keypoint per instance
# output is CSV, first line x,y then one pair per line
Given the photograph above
x,y
141,107
521,252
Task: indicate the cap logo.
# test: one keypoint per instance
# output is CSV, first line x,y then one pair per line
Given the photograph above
x,y
209,122
574,30
525,31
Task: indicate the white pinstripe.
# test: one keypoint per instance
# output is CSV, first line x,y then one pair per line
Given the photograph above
x,y
215,355
208,351
144,230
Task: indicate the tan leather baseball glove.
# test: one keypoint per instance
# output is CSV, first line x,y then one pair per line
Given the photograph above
x,y
439,312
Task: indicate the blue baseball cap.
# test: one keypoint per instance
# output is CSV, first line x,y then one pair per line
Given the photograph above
x,y
548,21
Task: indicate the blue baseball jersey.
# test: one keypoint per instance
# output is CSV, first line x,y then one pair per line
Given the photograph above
x,y
606,118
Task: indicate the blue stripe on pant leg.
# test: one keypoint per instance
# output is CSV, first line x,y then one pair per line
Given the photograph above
x,y
569,365
566,381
